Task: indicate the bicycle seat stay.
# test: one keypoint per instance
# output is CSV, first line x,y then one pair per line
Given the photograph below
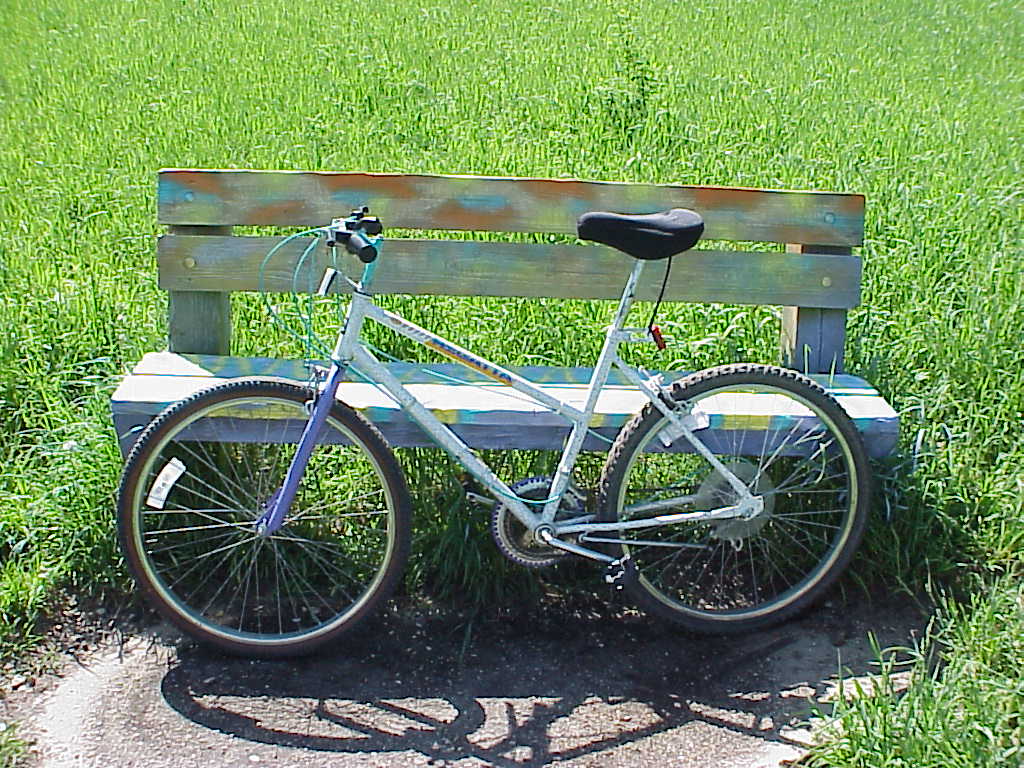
x,y
651,236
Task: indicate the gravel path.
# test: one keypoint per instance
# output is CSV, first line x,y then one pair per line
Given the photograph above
x,y
414,690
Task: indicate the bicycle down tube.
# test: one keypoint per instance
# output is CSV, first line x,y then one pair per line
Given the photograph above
x,y
442,435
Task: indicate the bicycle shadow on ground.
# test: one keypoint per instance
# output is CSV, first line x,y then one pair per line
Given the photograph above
x,y
522,693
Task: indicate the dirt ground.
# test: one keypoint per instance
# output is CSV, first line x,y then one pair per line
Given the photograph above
x,y
412,688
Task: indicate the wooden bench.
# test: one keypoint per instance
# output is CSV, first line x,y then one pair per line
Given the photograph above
x,y
815,279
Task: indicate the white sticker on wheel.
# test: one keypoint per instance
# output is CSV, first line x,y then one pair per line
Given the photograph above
x,y
168,476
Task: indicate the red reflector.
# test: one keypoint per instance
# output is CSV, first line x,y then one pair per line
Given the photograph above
x,y
659,341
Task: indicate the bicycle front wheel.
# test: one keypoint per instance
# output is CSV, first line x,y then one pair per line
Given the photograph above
x,y
204,472
788,441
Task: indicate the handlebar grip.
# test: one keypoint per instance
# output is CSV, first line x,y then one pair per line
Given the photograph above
x,y
359,246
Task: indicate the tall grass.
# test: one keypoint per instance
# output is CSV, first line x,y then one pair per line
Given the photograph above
x,y
961,713
916,105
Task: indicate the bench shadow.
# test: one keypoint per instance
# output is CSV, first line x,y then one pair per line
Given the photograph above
x,y
518,694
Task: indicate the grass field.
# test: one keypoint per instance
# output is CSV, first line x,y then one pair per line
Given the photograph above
x,y
918,105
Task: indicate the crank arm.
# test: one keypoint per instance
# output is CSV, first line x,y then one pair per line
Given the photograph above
x,y
575,549
483,501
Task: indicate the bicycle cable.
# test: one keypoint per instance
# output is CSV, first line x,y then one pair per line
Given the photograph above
x,y
310,342
661,295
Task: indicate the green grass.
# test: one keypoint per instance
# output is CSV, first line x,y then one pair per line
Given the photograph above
x,y
12,749
916,105
962,713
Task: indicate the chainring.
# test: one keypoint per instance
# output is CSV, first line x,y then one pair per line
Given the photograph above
x,y
515,541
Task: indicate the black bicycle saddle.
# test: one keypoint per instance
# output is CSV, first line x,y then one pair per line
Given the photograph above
x,y
649,236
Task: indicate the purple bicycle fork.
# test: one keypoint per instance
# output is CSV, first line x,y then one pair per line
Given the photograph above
x,y
280,501
275,508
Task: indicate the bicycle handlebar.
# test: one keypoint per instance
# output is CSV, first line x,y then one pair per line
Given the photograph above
x,y
358,245
353,233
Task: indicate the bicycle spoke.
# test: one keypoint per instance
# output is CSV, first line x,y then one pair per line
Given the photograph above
x,y
308,546
248,579
806,462
277,587
168,531
182,544
310,588
190,476
330,503
796,541
787,520
304,518
223,585
205,514
289,573
763,466
769,560
809,513
210,464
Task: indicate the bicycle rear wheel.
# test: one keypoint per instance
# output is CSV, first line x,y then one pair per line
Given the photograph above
x,y
790,443
206,469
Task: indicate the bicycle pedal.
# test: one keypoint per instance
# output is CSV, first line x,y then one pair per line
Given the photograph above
x,y
620,572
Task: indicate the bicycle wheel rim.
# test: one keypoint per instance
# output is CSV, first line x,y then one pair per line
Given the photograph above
x,y
319,572
699,585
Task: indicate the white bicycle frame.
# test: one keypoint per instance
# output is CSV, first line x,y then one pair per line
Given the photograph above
x,y
349,351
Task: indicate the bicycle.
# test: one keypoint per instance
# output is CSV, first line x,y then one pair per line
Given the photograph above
x,y
266,519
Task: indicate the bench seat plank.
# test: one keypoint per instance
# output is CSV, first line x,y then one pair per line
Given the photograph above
x,y
483,413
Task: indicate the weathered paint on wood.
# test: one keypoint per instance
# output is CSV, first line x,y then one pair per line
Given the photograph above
x,y
488,415
406,434
474,268
302,198
813,337
199,321
213,367
222,367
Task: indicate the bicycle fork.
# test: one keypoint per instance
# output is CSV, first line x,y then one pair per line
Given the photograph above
x,y
280,501
275,508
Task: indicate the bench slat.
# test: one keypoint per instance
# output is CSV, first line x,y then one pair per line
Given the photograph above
x,y
485,415
474,268
305,198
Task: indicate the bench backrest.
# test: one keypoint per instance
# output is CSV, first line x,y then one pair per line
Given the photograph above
x,y
816,279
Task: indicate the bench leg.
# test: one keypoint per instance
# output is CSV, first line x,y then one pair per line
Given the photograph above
x,y
199,323
813,340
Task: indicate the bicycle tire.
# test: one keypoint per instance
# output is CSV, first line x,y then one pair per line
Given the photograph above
x,y
202,473
736,575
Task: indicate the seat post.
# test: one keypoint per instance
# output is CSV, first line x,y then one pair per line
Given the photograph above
x,y
628,295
